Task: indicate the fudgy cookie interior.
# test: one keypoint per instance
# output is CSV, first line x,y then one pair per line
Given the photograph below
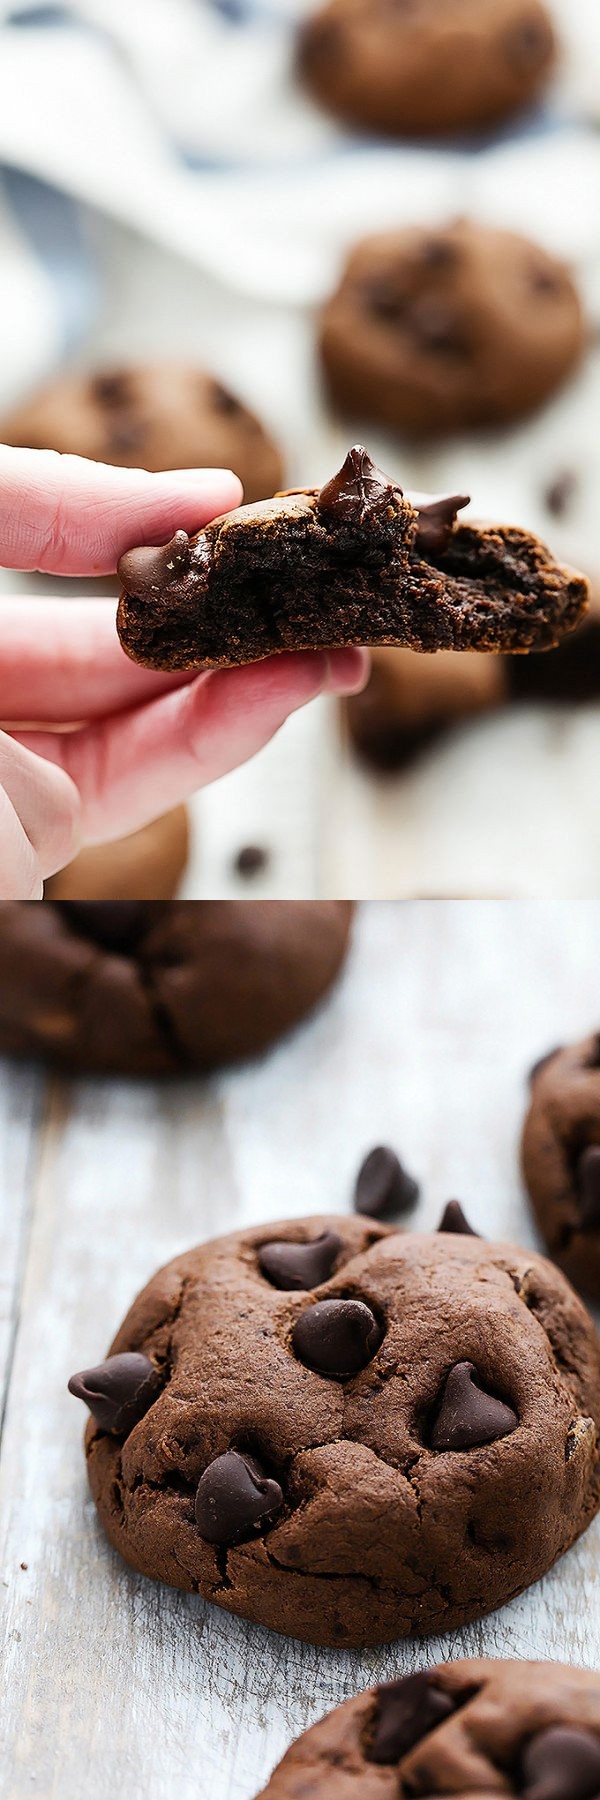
x,y
354,562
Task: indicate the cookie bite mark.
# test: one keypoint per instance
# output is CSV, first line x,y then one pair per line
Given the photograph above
x,y
355,562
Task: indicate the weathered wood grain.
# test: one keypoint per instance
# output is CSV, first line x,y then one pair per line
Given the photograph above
x,y
111,1683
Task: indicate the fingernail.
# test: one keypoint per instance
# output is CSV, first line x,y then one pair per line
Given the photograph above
x,y
348,671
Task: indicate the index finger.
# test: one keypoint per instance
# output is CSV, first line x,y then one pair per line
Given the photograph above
x,y
66,516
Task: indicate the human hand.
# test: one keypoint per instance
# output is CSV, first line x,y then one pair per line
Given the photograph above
x,y
93,746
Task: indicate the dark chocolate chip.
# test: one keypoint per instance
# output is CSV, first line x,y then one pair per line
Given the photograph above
x,y
358,488
588,1181
116,924
250,860
453,1219
384,299
300,1265
337,1337
560,493
529,44
436,520
149,569
233,1495
407,1710
435,325
561,1763
439,252
536,1068
112,387
383,1188
223,400
467,1415
119,1391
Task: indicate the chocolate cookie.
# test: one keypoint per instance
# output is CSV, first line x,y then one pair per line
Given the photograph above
x,y
469,1728
152,988
427,67
355,562
147,865
410,701
360,1433
437,331
158,415
561,1158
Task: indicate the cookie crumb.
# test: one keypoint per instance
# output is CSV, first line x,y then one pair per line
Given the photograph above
x,y
560,493
250,860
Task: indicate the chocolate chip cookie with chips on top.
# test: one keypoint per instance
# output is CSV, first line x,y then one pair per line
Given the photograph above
x,y
426,67
470,1728
434,330
348,1433
561,1158
357,561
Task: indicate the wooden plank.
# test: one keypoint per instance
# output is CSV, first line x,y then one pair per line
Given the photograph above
x,y
113,1683
20,1104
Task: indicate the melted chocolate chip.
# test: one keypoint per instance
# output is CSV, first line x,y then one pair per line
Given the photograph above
x,y
588,1181
453,1219
336,1337
233,1495
358,488
149,569
119,1391
561,1763
467,1415
300,1265
407,1710
436,520
383,1188
537,1067
115,924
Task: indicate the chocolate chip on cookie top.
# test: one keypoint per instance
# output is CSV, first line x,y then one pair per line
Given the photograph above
x,y
561,1157
357,561
358,1434
426,68
469,1727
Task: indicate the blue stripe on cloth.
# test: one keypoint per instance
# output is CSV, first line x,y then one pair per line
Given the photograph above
x,y
53,225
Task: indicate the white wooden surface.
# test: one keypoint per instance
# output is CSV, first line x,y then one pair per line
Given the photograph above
x,y
114,1685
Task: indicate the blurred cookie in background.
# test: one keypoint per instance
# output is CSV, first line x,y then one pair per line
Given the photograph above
x,y
158,415
438,330
427,67
147,865
411,700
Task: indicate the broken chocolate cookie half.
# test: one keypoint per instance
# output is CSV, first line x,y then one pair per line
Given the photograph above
x,y
355,562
